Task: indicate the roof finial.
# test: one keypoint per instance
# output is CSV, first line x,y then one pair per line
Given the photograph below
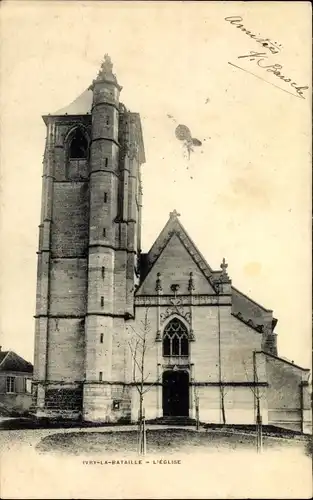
x,y
105,72
224,266
107,64
174,214
224,278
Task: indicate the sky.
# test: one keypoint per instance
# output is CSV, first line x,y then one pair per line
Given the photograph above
x,y
245,194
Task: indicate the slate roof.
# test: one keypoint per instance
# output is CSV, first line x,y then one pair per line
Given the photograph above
x,y
3,355
10,361
81,106
285,360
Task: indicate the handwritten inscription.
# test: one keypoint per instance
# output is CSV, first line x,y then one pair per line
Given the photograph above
x,y
275,69
258,58
273,47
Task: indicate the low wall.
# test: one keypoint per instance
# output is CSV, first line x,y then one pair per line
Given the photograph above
x,y
17,403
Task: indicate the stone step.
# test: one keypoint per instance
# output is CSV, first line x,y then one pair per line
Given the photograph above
x,y
185,421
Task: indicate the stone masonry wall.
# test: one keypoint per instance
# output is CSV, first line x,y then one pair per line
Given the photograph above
x,y
285,393
66,342
69,232
68,286
175,265
238,341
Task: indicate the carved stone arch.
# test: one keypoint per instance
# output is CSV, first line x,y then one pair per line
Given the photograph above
x,y
76,127
177,316
176,306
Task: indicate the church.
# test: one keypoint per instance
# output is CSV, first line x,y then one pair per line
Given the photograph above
x,y
116,325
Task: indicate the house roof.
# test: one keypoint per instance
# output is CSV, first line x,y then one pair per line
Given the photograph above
x,y
10,361
3,355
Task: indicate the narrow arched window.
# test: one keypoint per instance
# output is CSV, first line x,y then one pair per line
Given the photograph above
x,y
175,339
78,147
77,155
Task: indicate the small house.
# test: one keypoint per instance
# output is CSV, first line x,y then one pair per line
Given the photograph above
x,y
15,384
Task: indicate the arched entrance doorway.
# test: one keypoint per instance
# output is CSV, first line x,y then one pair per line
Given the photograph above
x,y
175,393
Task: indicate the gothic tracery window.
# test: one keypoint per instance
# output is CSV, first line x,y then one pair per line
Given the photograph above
x,y
175,339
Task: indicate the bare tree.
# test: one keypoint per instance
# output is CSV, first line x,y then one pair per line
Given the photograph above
x,y
257,398
138,347
196,402
223,393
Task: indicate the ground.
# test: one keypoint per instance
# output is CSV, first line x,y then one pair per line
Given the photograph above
x,y
70,463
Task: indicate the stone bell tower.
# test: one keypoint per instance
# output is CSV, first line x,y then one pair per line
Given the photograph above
x,y
88,250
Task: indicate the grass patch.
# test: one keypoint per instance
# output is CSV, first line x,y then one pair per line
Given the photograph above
x,y
46,423
309,446
158,441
